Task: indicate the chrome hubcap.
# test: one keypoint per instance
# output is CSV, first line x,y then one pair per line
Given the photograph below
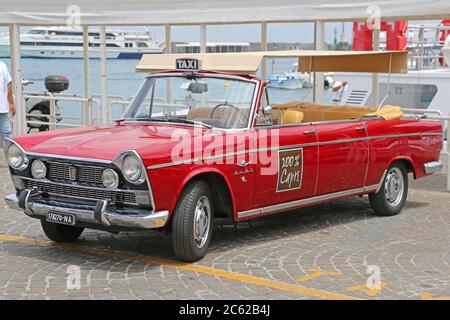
x,y
202,221
394,186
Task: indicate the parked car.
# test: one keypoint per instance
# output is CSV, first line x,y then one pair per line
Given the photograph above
x,y
200,141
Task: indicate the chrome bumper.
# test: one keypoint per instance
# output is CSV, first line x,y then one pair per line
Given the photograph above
x,y
434,166
100,215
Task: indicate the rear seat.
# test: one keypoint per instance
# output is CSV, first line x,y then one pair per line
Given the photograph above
x,y
313,112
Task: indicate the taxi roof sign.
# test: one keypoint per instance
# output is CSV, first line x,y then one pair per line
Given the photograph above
x,y
188,64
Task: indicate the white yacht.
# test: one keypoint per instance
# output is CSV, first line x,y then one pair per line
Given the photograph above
x,y
64,42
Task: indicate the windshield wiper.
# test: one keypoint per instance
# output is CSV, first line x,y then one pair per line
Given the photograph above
x,y
199,123
174,120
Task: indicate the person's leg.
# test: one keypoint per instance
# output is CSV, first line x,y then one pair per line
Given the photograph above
x,y
5,126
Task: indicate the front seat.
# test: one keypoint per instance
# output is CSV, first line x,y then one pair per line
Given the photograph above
x,y
292,117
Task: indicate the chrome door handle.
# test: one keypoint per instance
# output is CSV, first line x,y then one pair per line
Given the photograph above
x,y
312,131
361,128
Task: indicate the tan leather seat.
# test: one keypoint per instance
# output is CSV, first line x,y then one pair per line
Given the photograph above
x,y
291,117
199,113
388,112
313,112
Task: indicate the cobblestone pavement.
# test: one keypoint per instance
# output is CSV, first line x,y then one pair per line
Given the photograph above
x,y
323,252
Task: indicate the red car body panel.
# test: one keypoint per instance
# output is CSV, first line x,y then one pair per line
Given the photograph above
x,y
337,156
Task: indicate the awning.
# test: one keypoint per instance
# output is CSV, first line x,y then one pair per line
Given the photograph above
x,y
309,61
157,12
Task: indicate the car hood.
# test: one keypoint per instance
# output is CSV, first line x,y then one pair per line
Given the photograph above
x,y
152,142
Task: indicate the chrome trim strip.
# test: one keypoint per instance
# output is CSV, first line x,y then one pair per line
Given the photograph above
x,y
311,144
434,166
77,165
302,202
148,220
55,156
227,155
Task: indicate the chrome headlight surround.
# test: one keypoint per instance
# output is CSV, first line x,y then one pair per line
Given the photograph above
x,y
13,149
110,179
38,169
132,167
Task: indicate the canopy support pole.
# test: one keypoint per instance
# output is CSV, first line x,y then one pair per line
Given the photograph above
x,y
20,118
375,76
203,38
264,48
319,44
105,116
168,50
168,34
87,112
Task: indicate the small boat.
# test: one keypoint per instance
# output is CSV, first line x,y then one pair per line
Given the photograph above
x,y
290,80
65,42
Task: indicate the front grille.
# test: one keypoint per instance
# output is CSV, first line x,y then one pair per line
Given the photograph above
x,y
85,193
59,171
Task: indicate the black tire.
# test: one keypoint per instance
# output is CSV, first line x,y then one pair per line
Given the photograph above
x,y
184,242
61,233
384,201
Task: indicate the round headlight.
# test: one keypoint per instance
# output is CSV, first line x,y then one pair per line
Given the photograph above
x,y
132,169
16,158
38,169
110,179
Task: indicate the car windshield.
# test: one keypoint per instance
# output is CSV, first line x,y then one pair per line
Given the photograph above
x,y
213,101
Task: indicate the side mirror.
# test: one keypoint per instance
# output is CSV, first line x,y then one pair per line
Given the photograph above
x,y
267,110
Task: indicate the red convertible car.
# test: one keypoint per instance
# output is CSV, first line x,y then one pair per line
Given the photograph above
x,y
205,138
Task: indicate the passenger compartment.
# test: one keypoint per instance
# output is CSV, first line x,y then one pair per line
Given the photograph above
x,y
296,112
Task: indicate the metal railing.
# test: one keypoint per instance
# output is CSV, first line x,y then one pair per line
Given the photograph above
x,y
52,120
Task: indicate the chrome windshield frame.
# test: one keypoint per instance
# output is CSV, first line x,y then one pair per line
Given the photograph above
x,y
252,109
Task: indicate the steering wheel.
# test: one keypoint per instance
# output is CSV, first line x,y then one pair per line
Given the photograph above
x,y
240,116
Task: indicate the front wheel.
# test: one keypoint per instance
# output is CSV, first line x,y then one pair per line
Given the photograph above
x,y
391,197
192,223
60,232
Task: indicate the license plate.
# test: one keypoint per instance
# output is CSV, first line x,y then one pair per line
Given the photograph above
x,y
61,218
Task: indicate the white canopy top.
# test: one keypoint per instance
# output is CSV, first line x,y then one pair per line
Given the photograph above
x,y
157,12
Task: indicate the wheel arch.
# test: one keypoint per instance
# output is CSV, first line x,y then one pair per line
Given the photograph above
x,y
222,193
407,161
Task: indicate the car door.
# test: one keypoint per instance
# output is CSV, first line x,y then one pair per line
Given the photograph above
x,y
292,171
343,156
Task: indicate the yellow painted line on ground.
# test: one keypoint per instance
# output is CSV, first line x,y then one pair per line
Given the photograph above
x,y
315,273
283,286
428,296
368,291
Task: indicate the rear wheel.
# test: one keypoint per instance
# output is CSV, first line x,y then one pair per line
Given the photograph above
x,y
391,197
192,223
60,232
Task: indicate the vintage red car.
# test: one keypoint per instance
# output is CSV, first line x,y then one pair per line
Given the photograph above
x,y
203,139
